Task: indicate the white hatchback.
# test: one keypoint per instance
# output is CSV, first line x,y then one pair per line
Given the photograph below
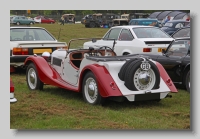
x,y
132,39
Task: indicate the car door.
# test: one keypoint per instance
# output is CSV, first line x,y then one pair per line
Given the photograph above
x,y
126,43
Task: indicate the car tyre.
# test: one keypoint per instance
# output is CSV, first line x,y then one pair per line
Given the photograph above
x,y
137,79
31,23
92,25
90,90
32,79
18,23
187,81
123,69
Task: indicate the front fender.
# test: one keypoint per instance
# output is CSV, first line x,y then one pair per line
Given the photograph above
x,y
47,74
106,85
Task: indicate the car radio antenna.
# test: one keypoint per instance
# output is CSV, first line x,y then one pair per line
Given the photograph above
x,y
114,44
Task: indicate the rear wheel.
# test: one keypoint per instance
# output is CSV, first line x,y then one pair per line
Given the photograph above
x,y
90,90
187,81
32,78
18,23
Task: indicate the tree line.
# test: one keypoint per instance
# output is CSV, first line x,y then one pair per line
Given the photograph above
x,y
80,12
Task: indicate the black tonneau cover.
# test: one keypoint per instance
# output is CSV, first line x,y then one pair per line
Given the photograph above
x,y
114,58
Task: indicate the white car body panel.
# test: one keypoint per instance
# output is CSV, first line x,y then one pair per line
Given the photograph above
x,y
131,46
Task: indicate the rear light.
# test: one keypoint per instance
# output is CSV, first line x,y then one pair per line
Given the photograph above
x,y
20,51
12,89
66,47
169,82
146,49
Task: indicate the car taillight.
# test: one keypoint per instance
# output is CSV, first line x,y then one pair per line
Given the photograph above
x,y
12,89
20,51
66,48
146,49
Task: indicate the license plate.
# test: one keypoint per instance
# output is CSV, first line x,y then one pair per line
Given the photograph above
x,y
40,51
160,49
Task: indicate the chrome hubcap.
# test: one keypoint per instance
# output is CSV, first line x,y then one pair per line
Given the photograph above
x,y
144,79
32,78
91,90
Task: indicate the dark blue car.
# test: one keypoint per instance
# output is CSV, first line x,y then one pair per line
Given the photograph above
x,y
171,26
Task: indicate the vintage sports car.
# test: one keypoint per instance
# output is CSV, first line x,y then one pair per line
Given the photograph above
x,y
133,39
99,74
26,41
176,61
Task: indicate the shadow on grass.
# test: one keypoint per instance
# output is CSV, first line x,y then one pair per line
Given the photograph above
x,y
111,104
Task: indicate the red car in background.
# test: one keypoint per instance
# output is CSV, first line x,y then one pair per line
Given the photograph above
x,y
43,19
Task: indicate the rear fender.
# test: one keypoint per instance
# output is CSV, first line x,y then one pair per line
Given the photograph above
x,y
166,78
106,85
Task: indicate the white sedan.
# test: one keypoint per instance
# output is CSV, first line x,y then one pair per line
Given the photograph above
x,y
132,39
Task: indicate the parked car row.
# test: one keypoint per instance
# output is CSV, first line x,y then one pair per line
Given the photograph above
x,y
23,20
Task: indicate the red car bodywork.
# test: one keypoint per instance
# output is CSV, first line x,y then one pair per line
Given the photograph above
x,y
45,19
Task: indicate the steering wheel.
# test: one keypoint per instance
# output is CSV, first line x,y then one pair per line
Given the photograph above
x,y
19,39
105,47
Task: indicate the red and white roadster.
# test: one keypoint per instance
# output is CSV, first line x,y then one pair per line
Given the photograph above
x,y
100,74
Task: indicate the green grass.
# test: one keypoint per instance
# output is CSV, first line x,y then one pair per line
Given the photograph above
x,y
56,108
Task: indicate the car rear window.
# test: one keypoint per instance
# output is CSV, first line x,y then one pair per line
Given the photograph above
x,y
150,33
184,32
35,34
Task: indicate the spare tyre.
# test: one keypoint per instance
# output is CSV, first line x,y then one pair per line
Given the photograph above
x,y
142,75
123,69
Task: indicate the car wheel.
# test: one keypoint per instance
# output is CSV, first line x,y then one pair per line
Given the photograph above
x,y
31,23
90,90
126,53
18,23
51,22
92,25
32,78
187,81
137,78
123,69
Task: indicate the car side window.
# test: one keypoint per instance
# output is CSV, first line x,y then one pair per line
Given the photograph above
x,y
179,25
113,34
125,35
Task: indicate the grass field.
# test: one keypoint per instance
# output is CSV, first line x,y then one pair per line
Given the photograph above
x,y
55,108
